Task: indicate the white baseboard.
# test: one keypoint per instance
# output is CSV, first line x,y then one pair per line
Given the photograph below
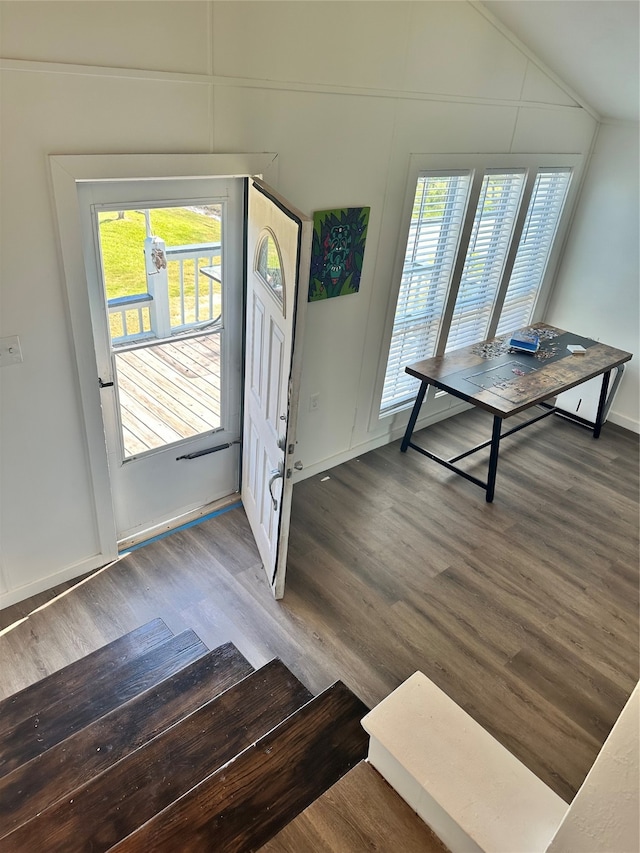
x,y
13,596
394,433
624,422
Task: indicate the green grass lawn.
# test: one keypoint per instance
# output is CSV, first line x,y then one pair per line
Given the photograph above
x,y
122,243
122,248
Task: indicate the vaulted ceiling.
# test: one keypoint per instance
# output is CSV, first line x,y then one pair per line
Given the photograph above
x,y
591,45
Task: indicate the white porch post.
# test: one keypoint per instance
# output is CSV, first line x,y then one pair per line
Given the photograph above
x,y
158,285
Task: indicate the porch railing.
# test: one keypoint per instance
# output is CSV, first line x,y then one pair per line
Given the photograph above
x,y
184,286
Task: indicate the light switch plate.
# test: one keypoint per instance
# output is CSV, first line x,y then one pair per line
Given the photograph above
x,y
10,352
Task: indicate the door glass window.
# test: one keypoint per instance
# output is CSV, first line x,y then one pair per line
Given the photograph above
x,y
162,274
162,270
269,266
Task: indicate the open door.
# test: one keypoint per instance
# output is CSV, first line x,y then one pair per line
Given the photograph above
x,y
278,258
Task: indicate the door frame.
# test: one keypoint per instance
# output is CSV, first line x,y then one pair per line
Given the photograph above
x,y
66,172
153,491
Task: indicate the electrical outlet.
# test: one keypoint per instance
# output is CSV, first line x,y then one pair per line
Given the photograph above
x,y
314,402
10,352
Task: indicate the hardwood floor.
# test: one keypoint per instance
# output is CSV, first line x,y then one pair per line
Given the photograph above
x,y
524,611
169,391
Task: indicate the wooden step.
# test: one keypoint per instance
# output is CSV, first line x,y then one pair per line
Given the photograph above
x,y
116,802
95,697
245,803
358,814
71,678
34,786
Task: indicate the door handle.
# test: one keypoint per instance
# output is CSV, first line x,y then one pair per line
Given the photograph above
x,y
276,474
207,450
104,384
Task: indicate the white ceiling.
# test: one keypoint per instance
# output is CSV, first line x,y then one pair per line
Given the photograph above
x,y
591,45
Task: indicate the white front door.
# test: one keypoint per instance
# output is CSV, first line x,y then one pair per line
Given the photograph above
x,y
164,269
278,257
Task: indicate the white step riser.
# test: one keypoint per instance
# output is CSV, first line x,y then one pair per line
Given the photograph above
x,y
474,794
423,804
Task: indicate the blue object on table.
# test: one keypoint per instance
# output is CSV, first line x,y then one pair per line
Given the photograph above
x,y
525,341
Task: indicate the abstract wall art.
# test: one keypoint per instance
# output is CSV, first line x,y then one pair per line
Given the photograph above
x,y
337,252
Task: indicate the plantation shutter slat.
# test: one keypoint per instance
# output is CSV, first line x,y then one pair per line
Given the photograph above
x,y
538,234
438,211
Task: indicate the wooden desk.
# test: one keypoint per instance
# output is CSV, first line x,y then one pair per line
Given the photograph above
x,y
502,381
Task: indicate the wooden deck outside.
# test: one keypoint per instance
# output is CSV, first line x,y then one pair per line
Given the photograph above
x,y
169,392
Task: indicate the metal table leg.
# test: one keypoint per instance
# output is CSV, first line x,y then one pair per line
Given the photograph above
x,y
601,404
493,458
414,416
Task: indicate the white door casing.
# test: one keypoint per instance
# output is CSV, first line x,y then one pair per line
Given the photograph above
x,y
274,326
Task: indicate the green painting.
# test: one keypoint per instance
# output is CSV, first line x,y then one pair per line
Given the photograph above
x,y
337,252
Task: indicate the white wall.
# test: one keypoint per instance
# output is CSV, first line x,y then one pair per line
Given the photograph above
x,y
343,92
48,530
598,289
605,813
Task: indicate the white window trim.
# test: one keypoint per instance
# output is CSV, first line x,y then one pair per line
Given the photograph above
x,y
476,163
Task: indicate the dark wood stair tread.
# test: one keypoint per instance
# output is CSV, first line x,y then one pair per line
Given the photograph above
x,y
246,802
50,689
358,814
34,786
109,689
116,802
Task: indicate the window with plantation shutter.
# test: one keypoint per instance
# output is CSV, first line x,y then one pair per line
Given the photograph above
x,y
538,234
490,240
434,233
479,245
